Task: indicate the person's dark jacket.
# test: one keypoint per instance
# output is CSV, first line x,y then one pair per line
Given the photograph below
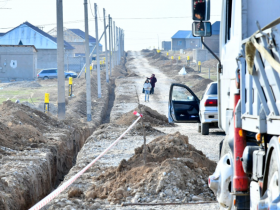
x,y
153,81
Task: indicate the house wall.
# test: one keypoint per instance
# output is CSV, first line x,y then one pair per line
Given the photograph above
x,y
202,55
24,60
178,44
166,45
213,43
193,43
48,58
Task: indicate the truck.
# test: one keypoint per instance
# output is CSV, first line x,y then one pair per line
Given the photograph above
x,y
248,77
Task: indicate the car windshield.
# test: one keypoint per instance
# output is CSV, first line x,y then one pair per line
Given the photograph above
x,y
213,89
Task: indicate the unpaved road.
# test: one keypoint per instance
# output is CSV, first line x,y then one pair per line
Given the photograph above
x,y
159,101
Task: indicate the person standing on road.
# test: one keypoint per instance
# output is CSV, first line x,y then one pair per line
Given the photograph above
x,y
147,87
153,81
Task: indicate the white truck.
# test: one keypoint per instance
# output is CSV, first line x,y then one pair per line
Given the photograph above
x,y
248,172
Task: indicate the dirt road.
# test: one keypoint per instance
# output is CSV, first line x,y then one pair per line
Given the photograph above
x,y
159,101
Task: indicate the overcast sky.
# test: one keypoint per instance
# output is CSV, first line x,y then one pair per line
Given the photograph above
x,y
168,16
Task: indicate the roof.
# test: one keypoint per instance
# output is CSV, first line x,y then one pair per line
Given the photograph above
x,y
184,35
216,28
82,34
66,44
2,34
20,46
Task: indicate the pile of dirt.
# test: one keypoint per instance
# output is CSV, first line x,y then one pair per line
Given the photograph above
x,y
156,56
150,54
145,50
210,63
130,59
24,84
201,85
132,75
149,115
120,71
22,126
175,171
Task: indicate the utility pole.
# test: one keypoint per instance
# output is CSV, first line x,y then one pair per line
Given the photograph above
x,y
88,88
114,28
119,45
97,53
106,56
60,62
110,44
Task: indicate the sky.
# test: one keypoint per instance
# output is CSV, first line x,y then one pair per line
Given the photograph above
x,y
146,23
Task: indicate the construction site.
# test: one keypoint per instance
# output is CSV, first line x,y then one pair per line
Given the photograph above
x,y
192,124
39,152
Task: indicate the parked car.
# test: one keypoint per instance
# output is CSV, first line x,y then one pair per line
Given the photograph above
x,y
208,109
52,73
184,106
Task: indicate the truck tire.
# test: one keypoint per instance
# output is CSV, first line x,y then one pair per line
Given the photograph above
x,y
205,128
199,127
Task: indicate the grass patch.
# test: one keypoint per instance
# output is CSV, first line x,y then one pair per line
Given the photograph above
x,y
13,95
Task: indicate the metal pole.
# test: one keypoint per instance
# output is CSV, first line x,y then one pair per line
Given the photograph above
x,y
209,72
97,53
110,44
119,46
106,56
60,62
88,88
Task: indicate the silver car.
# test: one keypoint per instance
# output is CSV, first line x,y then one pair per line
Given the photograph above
x,y
52,73
208,109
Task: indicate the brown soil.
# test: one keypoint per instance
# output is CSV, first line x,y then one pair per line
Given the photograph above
x,y
210,63
149,116
171,163
201,85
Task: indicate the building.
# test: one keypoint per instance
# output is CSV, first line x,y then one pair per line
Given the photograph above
x,y
76,38
213,42
18,62
166,45
185,40
46,45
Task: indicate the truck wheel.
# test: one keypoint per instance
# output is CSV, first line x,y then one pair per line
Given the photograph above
x,y
205,128
273,179
199,127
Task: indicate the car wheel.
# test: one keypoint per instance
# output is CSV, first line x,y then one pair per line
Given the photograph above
x,y
204,128
67,76
45,78
199,127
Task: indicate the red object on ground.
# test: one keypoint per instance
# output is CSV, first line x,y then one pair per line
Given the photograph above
x,y
240,179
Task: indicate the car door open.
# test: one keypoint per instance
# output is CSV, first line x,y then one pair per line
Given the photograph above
x,y
183,106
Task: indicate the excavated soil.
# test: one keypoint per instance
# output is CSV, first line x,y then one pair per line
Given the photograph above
x,y
149,116
174,168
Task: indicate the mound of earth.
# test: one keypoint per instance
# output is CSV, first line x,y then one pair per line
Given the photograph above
x,y
145,50
210,63
149,116
201,85
175,171
150,54
22,85
132,75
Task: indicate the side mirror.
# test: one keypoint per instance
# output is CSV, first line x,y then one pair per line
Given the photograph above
x,y
202,29
201,10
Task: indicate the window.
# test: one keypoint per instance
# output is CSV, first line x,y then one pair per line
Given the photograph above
x,y
213,90
181,94
228,20
179,43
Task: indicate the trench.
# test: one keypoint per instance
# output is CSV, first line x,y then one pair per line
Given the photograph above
x,y
111,102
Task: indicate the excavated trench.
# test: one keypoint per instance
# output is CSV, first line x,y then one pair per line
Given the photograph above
x,y
29,174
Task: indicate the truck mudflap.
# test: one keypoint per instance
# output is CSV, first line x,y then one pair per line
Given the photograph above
x,y
221,181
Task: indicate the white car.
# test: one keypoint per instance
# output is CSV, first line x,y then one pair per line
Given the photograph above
x,y
185,107
208,109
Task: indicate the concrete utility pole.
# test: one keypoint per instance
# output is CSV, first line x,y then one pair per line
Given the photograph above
x,y
110,44
88,88
60,62
114,53
120,45
106,55
117,45
97,53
